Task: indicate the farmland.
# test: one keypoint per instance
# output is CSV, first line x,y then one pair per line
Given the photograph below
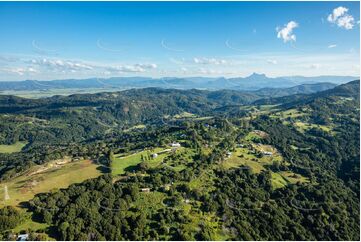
x,y
41,179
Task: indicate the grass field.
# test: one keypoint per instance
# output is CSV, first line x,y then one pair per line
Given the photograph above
x,y
184,115
17,147
282,178
24,187
243,156
302,126
204,182
252,136
139,126
278,181
121,164
28,223
292,177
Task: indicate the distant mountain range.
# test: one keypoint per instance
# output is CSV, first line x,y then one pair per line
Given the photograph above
x,y
250,83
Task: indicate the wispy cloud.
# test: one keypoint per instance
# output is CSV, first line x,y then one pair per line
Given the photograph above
x,y
41,50
102,46
286,33
167,47
21,71
332,46
131,68
209,61
340,17
229,46
60,65
210,71
27,66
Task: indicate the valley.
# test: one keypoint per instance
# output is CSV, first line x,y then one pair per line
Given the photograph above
x,y
157,164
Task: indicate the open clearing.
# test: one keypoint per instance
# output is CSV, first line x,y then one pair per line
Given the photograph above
x,y
121,164
246,157
24,187
302,126
17,147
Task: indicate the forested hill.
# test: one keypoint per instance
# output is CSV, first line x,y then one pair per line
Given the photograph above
x,y
183,165
82,117
347,90
168,97
135,101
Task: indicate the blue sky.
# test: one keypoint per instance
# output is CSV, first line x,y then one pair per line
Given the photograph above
x,y
47,41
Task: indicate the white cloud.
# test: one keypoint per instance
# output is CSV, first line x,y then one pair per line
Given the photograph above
x,y
336,13
147,66
132,68
286,33
340,17
274,62
61,65
64,66
22,70
332,46
209,61
346,22
208,71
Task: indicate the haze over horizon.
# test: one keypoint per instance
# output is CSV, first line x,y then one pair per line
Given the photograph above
x,y
54,41
184,77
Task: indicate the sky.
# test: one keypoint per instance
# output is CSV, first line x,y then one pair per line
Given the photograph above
x,y
60,40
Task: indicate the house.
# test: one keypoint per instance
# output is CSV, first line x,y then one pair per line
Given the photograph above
x,y
155,155
175,144
267,153
22,237
146,189
229,154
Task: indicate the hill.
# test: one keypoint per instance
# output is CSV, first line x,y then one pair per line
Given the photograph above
x,y
252,82
184,165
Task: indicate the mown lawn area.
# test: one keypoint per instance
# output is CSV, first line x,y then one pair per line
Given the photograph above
x,y
121,164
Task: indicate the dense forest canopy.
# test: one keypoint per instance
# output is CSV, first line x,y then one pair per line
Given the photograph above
x,y
184,165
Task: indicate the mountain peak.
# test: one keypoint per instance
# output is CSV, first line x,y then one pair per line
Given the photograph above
x,y
258,75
